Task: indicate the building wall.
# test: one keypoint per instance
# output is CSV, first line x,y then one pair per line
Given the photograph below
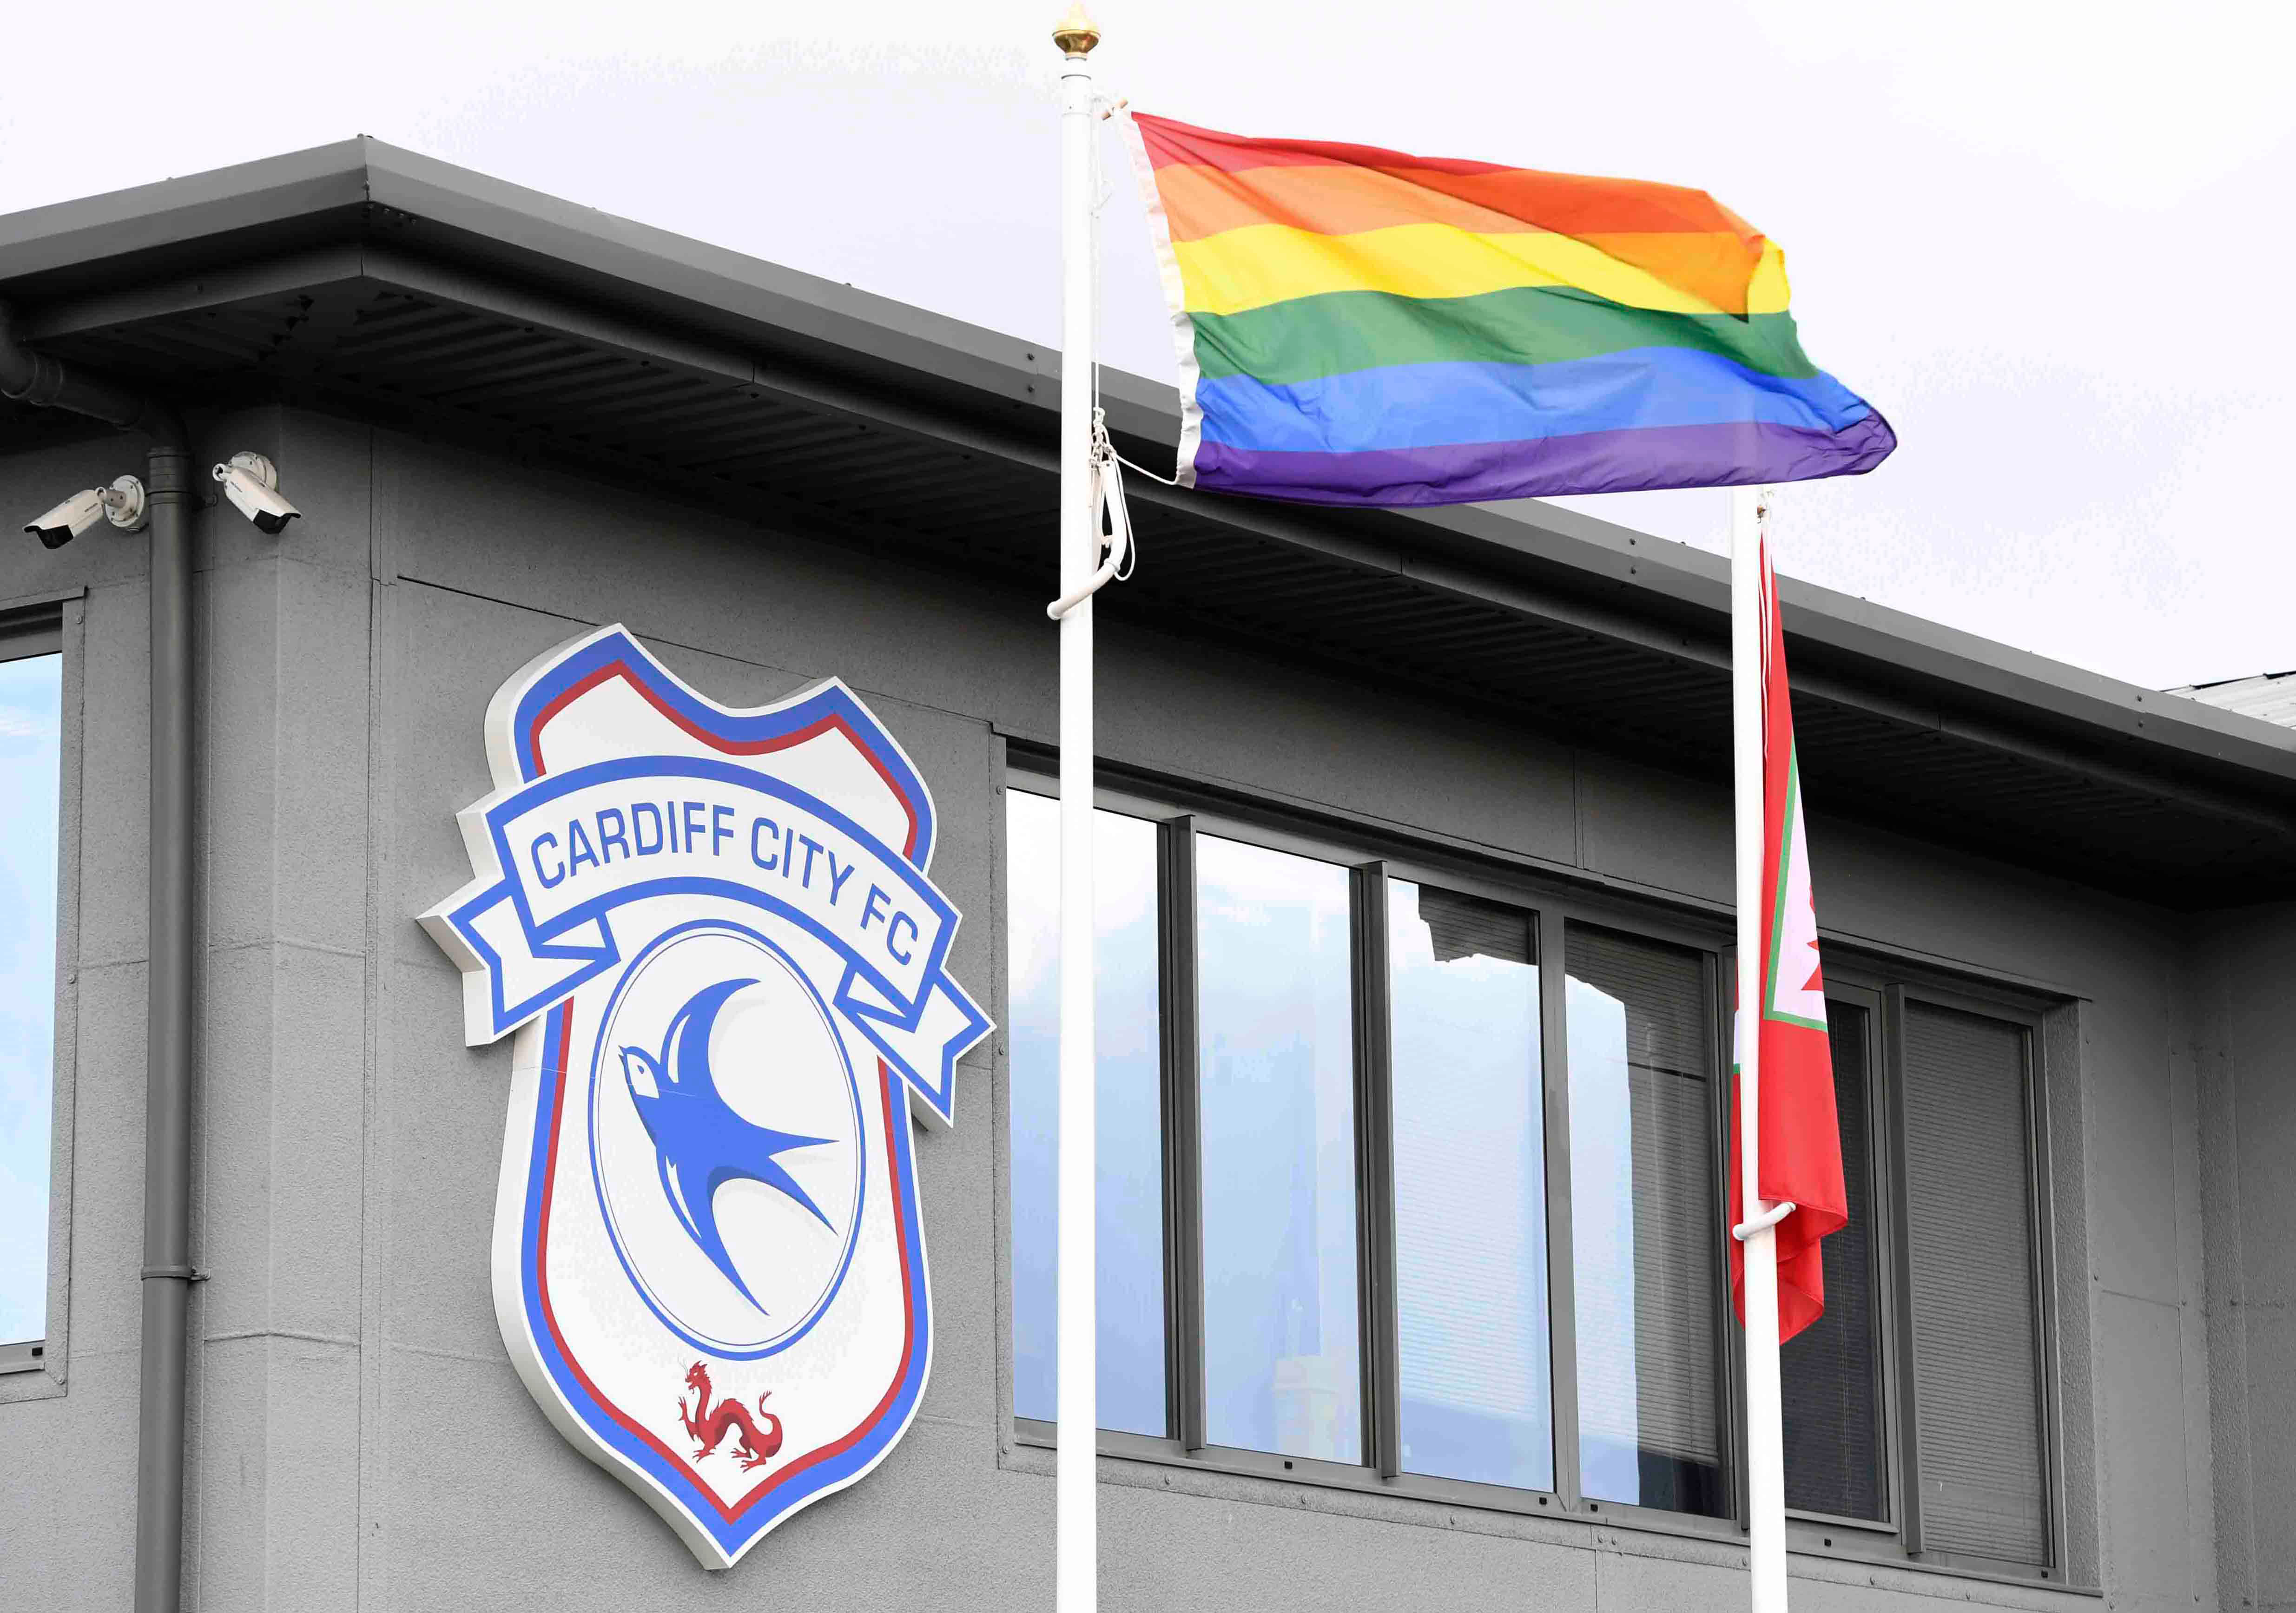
x,y
358,1437
2244,1066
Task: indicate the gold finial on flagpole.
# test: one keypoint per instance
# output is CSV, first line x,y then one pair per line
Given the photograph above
x,y
1075,33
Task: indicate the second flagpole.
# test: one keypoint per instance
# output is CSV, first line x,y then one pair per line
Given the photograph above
x,y
1765,1439
1076,1561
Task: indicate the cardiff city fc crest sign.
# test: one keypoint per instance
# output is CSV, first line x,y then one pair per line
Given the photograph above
x,y
712,935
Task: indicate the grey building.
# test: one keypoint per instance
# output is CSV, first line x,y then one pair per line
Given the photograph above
x,y
1416,884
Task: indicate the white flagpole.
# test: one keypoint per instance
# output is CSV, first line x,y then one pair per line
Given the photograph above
x,y
1076,1562
1765,1500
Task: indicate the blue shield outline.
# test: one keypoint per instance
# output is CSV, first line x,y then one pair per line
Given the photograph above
x,y
548,1071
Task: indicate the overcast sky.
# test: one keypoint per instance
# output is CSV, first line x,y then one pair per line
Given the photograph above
x,y
2050,242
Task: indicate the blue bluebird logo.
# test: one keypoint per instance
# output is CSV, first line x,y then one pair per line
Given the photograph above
x,y
699,1144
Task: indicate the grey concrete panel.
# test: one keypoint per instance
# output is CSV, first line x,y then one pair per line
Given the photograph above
x,y
449,653
67,1491
320,761
2063,1060
325,470
923,1530
2232,1472
440,1158
1633,1583
1984,915
2245,1030
276,1498
115,803
2271,1350
1246,722
238,646
2197,1378
1658,830
677,577
107,1206
283,1069
1161,1550
284,778
2141,1415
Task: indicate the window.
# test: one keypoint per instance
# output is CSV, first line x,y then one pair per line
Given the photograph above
x,y
1411,1179
31,754
1281,1364
1974,1401
1469,1172
1644,1212
1127,1120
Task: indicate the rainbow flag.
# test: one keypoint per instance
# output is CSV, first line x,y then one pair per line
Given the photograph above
x,y
1356,326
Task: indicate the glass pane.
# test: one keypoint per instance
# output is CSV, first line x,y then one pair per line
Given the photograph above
x,y
31,753
1969,1266
1831,1369
1645,1208
1274,989
1470,1189
1128,1113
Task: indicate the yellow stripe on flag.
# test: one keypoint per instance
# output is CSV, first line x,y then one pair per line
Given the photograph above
x,y
1258,265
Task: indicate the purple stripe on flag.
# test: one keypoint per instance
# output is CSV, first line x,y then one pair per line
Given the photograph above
x,y
1637,459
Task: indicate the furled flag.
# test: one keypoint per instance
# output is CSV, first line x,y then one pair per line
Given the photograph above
x,y
1801,1141
1356,326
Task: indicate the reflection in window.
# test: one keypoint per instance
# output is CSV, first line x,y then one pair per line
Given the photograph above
x,y
1644,1223
31,705
1281,1357
1832,1370
1470,1190
1127,1119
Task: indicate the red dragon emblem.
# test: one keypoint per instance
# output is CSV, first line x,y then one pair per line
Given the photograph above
x,y
708,1424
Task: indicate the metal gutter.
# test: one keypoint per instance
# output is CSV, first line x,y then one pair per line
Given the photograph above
x,y
67,239
34,378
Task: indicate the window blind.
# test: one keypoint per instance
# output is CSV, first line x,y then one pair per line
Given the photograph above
x,y
1831,1369
1675,1299
1972,1283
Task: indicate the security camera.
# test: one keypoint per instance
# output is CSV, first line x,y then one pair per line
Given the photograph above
x,y
122,504
251,483
69,518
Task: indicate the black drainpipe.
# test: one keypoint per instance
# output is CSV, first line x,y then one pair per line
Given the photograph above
x,y
34,378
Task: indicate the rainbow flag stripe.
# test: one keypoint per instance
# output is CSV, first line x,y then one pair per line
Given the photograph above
x,y
1356,326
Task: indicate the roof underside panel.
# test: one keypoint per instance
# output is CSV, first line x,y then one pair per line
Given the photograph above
x,y
973,503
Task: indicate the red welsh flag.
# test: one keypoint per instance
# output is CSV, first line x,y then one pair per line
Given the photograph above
x,y
1801,1143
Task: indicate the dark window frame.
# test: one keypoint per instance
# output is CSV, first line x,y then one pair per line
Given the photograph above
x,y
2029,1016
1857,974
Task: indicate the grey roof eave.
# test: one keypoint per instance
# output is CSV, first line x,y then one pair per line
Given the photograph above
x,y
112,241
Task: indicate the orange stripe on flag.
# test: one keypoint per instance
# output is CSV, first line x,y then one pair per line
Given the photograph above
x,y
1210,182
